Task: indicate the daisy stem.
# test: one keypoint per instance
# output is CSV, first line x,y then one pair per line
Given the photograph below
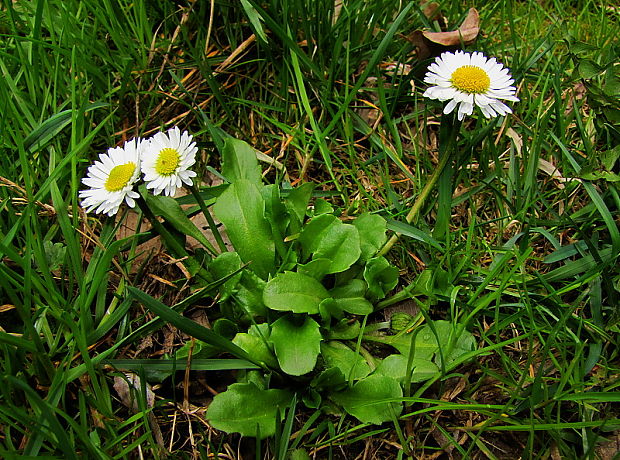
x,y
209,217
446,151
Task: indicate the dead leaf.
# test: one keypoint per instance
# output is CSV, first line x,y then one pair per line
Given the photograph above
x,y
6,307
430,10
552,170
609,450
516,139
129,227
466,33
126,387
406,306
434,43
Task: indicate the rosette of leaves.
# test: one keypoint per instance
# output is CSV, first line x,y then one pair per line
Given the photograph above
x,y
297,285
299,281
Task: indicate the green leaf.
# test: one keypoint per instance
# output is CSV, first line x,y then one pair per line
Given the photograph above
x,y
364,400
341,245
395,366
326,237
246,409
353,288
564,252
256,347
316,268
54,254
451,345
179,364
224,265
588,69
241,209
198,348
331,378
168,208
425,343
579,47
430,339
239,162
53,125
344,330
290,291
248,294
412,232
371,228
380,276
583,264
355,305
612,85
275,211
322,206
610,157
328,309
352,365
256,20
298,199
225,327
18,342
350,298
297,343
312,231
299,454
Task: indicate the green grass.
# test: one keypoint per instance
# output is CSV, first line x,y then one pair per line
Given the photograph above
x,y
528,264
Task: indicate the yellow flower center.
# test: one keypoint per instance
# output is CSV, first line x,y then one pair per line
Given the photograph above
x,y
119,176
167,162
471,79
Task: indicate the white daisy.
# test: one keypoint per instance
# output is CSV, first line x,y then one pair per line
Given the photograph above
x,y
166,160
111,179
468,79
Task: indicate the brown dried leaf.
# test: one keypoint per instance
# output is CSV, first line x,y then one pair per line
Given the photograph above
x,y
609,450
434,43
129,227
430,10
466,33
125,386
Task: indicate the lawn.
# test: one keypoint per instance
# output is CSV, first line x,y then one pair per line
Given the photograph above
x,y
262,229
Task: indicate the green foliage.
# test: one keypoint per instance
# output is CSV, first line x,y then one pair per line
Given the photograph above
x,y
366,399
239,162
297,344
246,409
380,276
371,228
337,355
54,254
225,265
326,238
294,292
602,85
395,366
241,209
307,319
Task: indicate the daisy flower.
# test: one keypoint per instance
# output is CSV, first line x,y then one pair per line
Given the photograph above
x,y
166,160
111,179
469,79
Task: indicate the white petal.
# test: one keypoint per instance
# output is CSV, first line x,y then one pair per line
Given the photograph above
x,y
449,107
